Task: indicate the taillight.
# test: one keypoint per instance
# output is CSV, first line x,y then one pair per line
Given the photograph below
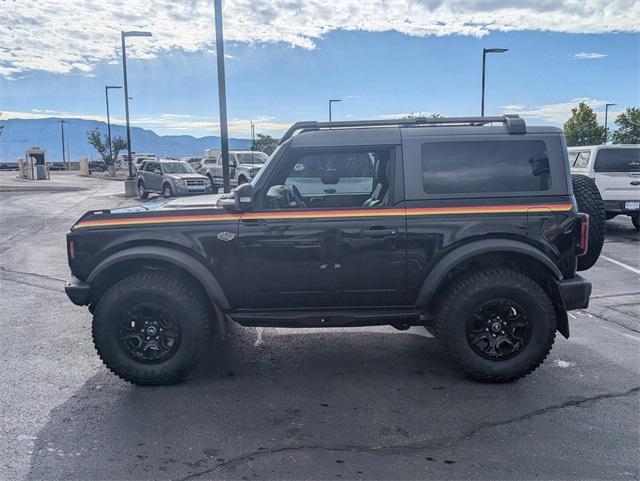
x,y
72,250
583,246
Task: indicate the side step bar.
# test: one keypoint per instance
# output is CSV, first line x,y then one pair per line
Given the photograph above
x,y
329,318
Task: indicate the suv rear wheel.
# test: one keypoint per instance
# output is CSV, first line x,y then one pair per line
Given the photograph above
x,y
151,328
498,324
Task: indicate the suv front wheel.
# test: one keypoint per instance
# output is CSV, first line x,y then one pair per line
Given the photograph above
x,y
142,193
497,323
151,328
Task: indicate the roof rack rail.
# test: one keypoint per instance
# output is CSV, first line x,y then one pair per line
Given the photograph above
x,y
514,124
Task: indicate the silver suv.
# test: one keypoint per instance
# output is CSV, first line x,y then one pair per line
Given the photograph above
x,y
170,177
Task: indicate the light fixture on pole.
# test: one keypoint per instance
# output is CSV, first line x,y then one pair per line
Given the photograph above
x,y
331,101
106,94
606,119
485,51
126,89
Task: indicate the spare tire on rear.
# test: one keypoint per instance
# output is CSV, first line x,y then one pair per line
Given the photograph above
x,y
590,202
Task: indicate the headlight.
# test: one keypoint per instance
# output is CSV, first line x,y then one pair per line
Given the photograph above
x,y
179,180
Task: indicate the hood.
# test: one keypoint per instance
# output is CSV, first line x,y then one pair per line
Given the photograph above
x,y
188,176
249,166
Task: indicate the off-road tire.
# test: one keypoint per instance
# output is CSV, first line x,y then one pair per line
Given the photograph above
x,y
167,191
144,194
465,293
635,218
590,202
175,295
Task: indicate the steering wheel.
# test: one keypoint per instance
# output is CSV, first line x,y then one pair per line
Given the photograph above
x,y
297,197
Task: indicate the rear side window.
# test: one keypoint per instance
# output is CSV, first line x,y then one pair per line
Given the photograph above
x,y
582,160
617,160
485,167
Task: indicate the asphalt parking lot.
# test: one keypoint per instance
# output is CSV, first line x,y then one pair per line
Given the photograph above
x,y
370,403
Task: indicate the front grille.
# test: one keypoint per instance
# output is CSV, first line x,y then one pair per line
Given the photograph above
x,y
195,183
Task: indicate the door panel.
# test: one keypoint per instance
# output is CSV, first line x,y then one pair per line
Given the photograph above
x,y
310,262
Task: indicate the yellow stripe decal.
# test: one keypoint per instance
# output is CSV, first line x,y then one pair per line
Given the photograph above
x,y
328,214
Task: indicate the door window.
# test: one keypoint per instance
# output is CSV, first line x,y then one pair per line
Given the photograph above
x,y
349,178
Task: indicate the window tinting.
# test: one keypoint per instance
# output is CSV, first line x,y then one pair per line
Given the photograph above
x,y
485,166
618,160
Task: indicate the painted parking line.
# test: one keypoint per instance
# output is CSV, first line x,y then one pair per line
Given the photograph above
x,y
621,264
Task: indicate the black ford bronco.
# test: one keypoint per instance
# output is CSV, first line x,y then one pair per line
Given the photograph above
x,y
465,227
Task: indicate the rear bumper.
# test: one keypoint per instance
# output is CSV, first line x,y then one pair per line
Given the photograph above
x,y
77,291
618,206
575,292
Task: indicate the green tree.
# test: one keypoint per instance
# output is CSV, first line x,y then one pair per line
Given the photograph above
x,y
582,127
102,147
265,143
628,123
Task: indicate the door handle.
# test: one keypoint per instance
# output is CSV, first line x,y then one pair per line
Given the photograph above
x,y
635,182
378,232
316,200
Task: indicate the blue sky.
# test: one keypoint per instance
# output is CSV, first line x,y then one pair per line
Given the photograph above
x,y
375,73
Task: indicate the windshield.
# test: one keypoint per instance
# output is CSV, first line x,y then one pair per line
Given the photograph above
x,y
252,158
177,168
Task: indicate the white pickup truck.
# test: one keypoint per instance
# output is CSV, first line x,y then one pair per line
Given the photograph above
x,y
243,166
616,172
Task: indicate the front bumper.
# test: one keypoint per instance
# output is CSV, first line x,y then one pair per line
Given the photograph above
x,y
78,291
575,292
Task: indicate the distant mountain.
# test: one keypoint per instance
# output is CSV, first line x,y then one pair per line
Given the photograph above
x,y
21,134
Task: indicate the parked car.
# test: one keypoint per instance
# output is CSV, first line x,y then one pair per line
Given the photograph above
x,y
615,169
170,177
469,230
244,165
97,166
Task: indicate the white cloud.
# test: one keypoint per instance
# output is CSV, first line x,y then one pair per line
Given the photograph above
x,y
69,36
168,123
558,113
588,55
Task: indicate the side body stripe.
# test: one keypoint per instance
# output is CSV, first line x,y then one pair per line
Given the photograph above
x,y
327,214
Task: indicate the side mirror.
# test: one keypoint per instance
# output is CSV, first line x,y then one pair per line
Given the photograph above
x,y
239,199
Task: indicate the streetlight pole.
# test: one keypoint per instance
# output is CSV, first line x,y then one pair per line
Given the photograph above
x,y
123,35
222,96
606,118
331,101
106,94
485,51
62,132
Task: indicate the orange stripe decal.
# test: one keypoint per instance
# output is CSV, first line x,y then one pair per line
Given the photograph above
x,y
328,214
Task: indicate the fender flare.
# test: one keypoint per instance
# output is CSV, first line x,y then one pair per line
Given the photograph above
x,y
454,258
172,256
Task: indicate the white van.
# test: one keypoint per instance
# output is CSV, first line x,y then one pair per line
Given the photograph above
x,y
616,171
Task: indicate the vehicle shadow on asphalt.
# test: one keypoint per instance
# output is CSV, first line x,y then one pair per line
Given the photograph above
x,y
303,395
